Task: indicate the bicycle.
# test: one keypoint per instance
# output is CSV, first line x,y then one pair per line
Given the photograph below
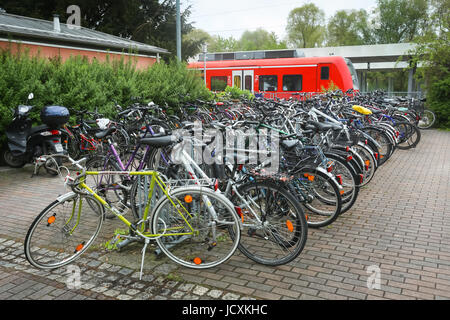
x,y
194,226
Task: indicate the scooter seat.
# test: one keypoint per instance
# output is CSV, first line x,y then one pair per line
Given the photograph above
x,y
36,129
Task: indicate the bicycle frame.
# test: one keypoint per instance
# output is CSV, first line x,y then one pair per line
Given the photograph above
x,y
155,180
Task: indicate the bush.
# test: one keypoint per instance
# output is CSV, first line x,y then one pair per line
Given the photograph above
x,y
82,85
234,93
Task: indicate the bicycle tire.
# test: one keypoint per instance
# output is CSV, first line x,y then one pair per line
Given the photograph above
x,y
213,241
281,234
319,194
429,117
54,239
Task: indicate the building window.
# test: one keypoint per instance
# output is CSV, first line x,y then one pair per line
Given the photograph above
x,y
325,73
268,83
218,83
292,82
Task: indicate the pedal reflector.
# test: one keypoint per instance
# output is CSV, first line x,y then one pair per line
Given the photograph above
x,y
289,225
51,220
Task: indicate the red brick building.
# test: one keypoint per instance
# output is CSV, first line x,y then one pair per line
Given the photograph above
x,y
56,39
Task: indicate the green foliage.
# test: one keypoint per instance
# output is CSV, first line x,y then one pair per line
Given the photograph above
x,y
348,28
234,93
400,20
331,87
260,39
433,52
82,85
306,26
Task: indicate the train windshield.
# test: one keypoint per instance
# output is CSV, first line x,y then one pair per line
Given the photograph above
x,y
353,73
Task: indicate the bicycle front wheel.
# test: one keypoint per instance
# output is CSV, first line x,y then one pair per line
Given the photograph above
x,y
63,231
196,227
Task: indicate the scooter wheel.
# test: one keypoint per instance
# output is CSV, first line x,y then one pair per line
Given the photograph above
x,y
11,160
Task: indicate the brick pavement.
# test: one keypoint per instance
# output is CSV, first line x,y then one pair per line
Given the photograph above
x,y
400,224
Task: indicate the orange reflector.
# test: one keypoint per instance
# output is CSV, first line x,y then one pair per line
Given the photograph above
x,y
51,219
306,216
239,212
342,192
79,247
367,162
290,226
188,199
197,260
311,178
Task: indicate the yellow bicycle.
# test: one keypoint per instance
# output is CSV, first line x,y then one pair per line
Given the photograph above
x,y
193,225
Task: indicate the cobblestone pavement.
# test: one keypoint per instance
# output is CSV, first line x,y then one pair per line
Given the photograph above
x,y
399,224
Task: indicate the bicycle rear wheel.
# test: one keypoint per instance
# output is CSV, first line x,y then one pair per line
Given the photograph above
x,y
427,119
196,238
320,196
63,231
275,228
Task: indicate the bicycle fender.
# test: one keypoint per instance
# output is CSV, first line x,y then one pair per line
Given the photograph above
x,y
67,196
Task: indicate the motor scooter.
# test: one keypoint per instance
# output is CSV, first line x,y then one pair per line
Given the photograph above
x,y
26,143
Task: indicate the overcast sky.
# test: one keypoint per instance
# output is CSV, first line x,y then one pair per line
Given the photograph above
x,y
232,17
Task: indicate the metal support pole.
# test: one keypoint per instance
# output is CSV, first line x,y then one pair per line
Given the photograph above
x,y
178,30
205,50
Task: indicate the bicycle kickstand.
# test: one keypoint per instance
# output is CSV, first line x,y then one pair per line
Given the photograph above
x,y
147,241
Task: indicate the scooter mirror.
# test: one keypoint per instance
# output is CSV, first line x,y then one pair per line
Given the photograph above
x,y
30,96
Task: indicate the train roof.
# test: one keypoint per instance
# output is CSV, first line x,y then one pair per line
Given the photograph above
x,y
268,62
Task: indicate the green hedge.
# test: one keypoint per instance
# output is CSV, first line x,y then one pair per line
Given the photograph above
x,y
83,85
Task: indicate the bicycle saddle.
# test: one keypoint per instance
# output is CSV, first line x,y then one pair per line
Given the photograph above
x,y
314,125
376,111
104,133
161,141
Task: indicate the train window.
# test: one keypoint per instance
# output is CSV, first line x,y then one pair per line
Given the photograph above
x,y
218,83
325,73
248,82
292,82
268,83
237,81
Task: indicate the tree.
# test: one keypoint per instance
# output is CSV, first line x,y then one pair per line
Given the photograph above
x,y
306,26
348,28
433,52
222,44
260,39
193,41
400,20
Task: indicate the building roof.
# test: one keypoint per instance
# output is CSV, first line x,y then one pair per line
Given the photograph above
x,y
31,29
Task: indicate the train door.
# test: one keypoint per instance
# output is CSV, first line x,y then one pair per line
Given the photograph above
x,y
243,79
324,76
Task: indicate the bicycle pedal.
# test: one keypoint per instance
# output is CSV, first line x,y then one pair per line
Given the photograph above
x,y
212,245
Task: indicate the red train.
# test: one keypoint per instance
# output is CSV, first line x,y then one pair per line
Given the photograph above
x,y
281,76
